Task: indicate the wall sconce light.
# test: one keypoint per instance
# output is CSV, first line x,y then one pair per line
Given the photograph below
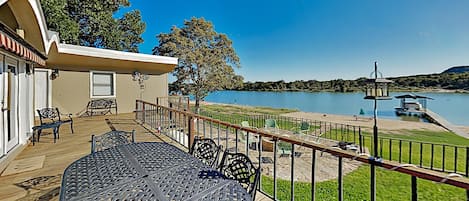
x,y
29,69
54,74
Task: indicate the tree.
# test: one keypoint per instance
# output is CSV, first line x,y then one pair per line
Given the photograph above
x,y
58,20
206,58
92,23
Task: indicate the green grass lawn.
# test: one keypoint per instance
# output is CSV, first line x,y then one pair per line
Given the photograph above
x,y
245,110
390,186
408,142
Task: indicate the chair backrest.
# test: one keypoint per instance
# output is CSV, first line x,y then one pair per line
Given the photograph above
x,y
51,114
111,139
242,137
304,126
206,150
270,123
238,166
245,124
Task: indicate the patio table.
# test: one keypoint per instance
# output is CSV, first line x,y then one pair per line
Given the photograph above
x,y
146,171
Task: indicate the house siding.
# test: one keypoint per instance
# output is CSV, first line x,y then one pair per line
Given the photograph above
x,y
71,91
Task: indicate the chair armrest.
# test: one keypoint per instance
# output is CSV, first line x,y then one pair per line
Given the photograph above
x,y
68,115
252,127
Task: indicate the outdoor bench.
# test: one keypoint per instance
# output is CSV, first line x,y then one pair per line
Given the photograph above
x,y
101,106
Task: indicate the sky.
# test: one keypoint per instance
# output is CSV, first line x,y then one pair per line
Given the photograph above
x,y
325,39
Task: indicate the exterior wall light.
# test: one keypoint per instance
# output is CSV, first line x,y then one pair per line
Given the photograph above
x,y
55,74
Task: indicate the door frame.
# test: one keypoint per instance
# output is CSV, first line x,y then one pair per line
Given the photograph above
x,y
3,144
49,88
12,143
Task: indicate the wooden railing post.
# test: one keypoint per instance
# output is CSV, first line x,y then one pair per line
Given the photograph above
x,y
191,130
143,112
136,109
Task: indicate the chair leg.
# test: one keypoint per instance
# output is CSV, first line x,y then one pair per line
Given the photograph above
x,y
34,139
58,131
39,131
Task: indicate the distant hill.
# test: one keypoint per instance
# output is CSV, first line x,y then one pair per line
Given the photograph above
x,y
456,78
457,69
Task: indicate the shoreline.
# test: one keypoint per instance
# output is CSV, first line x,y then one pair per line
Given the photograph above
x,y
383,124
456,91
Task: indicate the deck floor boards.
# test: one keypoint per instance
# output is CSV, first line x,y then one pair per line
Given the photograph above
x,y
44,183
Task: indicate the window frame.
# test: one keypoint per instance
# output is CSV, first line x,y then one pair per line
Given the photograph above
x,y
113,84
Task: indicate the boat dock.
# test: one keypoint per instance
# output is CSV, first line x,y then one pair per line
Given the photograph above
x,y
434,117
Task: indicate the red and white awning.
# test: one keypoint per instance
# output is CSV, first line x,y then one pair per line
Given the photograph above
x,y
15,47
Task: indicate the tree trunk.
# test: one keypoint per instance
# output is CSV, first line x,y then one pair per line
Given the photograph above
x,y
197,104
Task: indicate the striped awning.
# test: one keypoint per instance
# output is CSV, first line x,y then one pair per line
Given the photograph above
x,y
17,48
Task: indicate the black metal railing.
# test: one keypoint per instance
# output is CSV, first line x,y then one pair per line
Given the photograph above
x,y
434,156
281,155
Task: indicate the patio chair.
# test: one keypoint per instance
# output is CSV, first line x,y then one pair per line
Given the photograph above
x,y
253,140
52,118
302,129
271,124
285,152
239,167
206,150
111,139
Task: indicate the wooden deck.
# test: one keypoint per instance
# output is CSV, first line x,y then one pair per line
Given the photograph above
x,y
44,183
445,123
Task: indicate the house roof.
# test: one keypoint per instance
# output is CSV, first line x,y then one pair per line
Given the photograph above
x,y
413,96
79,58
29,16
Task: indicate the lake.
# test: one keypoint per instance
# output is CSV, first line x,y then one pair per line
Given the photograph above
x,y
452,106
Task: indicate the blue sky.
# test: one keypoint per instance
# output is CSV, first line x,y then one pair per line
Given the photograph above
x,y
326,39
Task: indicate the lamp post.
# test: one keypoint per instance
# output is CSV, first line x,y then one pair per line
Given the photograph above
x,y
376,89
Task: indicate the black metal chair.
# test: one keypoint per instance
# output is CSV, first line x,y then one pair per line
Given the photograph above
x,y
206,150
111,139
51,118
239,167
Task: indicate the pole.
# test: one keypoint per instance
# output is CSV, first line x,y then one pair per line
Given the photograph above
x,y
375,141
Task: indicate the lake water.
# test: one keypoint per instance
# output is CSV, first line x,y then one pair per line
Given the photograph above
x,y
452,106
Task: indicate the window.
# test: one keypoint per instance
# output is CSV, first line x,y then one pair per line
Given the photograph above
x,y
103,84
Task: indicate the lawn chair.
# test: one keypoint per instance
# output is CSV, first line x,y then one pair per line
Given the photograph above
x,y
271,124
303,129
253,139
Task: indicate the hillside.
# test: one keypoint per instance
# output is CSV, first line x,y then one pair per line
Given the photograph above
x,y
432,82
457,82
457,69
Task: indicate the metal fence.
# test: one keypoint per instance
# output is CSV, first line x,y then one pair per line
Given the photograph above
x,y
434,156
282,168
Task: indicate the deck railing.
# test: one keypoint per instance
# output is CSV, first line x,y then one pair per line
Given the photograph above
x,y
420,153
183,126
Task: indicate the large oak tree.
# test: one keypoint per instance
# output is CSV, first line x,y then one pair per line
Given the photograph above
x,y
206,58
93,23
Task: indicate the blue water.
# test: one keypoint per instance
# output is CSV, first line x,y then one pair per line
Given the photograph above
x,y
452,106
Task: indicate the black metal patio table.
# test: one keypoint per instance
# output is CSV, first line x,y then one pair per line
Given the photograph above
x,y
146,171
